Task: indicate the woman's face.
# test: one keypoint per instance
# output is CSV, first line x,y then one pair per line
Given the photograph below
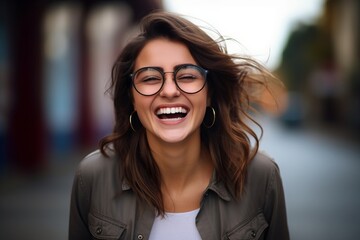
x,y
170,115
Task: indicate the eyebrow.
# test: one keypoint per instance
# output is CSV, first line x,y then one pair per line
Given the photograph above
x,y
174,68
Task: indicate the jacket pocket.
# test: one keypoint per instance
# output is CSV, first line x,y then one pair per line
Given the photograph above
x,y
102,227
250,230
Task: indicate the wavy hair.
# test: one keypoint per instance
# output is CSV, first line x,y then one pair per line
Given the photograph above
x,y
233,83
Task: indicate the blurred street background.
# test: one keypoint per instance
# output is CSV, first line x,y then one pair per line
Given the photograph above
x,y
55,64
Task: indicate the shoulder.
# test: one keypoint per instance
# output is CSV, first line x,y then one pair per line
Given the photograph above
x,y
263,171
96,160
96,165
262,164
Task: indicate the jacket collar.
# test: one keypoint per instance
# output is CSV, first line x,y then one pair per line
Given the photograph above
x,y
219,188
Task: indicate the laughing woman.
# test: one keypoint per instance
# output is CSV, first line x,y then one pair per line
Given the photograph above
x,y
180,163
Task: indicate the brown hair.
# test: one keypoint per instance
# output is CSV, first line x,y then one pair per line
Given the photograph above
x,y
231,82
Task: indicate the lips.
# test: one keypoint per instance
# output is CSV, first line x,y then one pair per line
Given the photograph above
x,y
171,112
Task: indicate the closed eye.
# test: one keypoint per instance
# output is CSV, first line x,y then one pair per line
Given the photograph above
x,y
151,80
187,77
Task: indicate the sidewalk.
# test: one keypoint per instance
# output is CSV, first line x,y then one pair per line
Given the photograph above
x,y
320,170
37,207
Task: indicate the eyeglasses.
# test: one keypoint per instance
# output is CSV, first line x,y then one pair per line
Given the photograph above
x,y
188,78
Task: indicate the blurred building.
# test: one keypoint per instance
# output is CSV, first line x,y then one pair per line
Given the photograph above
x,y
343,21
321,67
55,60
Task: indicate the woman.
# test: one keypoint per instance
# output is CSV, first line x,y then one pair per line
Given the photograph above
x,y
179,163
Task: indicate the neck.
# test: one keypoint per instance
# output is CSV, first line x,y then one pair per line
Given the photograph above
x,y
177,157
179,163
186,169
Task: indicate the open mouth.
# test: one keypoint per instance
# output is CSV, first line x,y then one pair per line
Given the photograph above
x,y
171,113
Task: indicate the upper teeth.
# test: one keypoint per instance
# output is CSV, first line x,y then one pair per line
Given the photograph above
x,y
171,110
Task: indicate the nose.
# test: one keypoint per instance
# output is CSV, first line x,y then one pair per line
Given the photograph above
x,y
169,88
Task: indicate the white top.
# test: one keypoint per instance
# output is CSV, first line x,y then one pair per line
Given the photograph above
x,y
175,226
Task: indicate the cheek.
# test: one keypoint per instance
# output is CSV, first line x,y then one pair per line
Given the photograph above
x,y
138,101
140,112
201,103
142,107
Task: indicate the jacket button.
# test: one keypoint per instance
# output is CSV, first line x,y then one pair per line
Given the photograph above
x,y
140,237
98,230
253,234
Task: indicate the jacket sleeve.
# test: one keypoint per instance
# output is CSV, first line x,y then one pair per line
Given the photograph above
x,y
275,209
79,208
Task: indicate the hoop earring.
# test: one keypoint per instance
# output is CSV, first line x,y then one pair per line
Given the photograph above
x,y
130,120
213,120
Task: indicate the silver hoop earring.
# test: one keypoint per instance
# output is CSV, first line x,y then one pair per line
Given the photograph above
x,y
130,120
213,119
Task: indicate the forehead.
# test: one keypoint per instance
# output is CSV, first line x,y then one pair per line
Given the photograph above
x,y
165,53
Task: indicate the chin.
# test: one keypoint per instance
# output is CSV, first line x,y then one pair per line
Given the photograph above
x,y
173,136
173,139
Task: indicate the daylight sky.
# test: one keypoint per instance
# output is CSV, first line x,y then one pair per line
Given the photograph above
x,y
261,26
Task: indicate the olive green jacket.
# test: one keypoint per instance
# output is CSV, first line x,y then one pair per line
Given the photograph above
x,y
98,211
